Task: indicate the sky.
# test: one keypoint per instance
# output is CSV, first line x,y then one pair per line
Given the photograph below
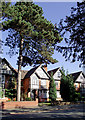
x,y
53,11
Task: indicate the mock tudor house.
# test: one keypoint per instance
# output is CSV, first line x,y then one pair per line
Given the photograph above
x,y
79,82
6,72
57,77
36,84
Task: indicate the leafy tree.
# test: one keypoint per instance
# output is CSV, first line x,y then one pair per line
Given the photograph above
x,y
67,89
52,89
74,26
30,35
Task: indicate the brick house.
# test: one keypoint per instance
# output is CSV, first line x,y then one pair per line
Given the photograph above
x,y
57,77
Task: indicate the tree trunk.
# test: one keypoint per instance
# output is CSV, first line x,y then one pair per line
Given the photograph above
x,y
19,71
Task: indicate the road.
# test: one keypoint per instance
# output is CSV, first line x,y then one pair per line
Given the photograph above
x,y
66,112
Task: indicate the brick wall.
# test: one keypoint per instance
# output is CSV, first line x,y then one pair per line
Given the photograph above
x,y
19,104
3,99
26,84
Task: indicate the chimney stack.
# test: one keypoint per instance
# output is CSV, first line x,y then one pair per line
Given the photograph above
x,y
45,67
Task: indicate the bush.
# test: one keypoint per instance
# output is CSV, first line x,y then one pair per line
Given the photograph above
x,y
77,97
52,90
28,99
82,98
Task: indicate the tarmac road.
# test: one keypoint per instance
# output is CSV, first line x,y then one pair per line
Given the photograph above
x,y
66,112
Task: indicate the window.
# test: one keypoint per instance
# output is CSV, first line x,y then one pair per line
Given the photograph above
x,y
0,81
0,66
76,86
81,77
56,84
10,72
3,79
59,75
2,86
43,82
44,91
34,82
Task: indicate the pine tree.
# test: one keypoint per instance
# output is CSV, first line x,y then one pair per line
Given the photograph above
x,y
52,89
30,35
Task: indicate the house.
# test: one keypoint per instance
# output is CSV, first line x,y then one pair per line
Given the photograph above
x,y
79,82
57,77
36,84
6,73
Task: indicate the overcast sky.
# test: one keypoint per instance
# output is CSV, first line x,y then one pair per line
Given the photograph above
x,y
53,11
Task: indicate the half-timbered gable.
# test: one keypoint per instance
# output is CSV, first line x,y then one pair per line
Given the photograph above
x,y
6,72
38,83
79,81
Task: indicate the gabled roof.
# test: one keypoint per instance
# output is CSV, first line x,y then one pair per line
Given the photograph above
x,y
30,72
53,71
4,60
75,75
23,73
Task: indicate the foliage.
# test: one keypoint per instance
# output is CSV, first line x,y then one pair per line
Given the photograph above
x,y
67,89
28,99
43,104
30,33
52,89
74,26
77,97
1,93
11,83
10,92
25,20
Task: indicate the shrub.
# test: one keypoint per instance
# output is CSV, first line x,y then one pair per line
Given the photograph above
x,y
28,99
52,90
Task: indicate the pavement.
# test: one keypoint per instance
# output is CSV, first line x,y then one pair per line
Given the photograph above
x,y
64,112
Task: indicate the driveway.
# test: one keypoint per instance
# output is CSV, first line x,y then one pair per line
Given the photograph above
x,y
70,112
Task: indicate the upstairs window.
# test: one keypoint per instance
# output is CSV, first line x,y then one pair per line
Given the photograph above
x,y
3,79
43,82
59,74
56,84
